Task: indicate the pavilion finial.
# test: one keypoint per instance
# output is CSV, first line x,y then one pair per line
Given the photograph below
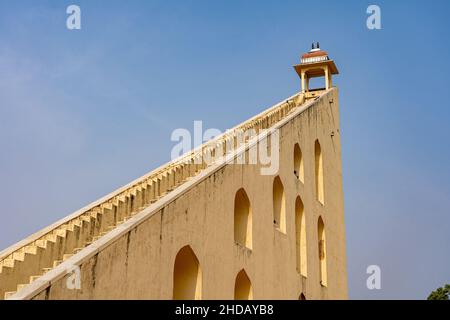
x,y
316,63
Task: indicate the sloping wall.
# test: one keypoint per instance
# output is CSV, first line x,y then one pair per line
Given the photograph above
x,y
136,259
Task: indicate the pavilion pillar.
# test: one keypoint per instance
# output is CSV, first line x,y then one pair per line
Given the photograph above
x,y
327,78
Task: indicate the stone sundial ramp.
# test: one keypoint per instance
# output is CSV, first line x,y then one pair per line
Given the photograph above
x,y
26,261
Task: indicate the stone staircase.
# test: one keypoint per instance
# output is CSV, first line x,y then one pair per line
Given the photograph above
x,y
20,267
32,261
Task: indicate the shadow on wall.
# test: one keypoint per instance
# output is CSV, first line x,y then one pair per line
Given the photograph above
x,y
187,276
243,287
279,205
242,219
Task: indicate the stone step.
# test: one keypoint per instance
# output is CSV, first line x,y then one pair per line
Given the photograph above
x,y
19,256
56,263
6,263
9,294
21,286
41,243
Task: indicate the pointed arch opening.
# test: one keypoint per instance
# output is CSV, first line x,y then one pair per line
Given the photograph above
x,y
279,205
322,248
243,287
187,276
302,297
299,170
319,172
242,219
300,237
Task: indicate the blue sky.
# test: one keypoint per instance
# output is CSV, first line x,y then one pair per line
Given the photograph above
x,y
83,112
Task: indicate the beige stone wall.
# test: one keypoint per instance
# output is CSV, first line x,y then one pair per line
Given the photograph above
x,y
140,264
